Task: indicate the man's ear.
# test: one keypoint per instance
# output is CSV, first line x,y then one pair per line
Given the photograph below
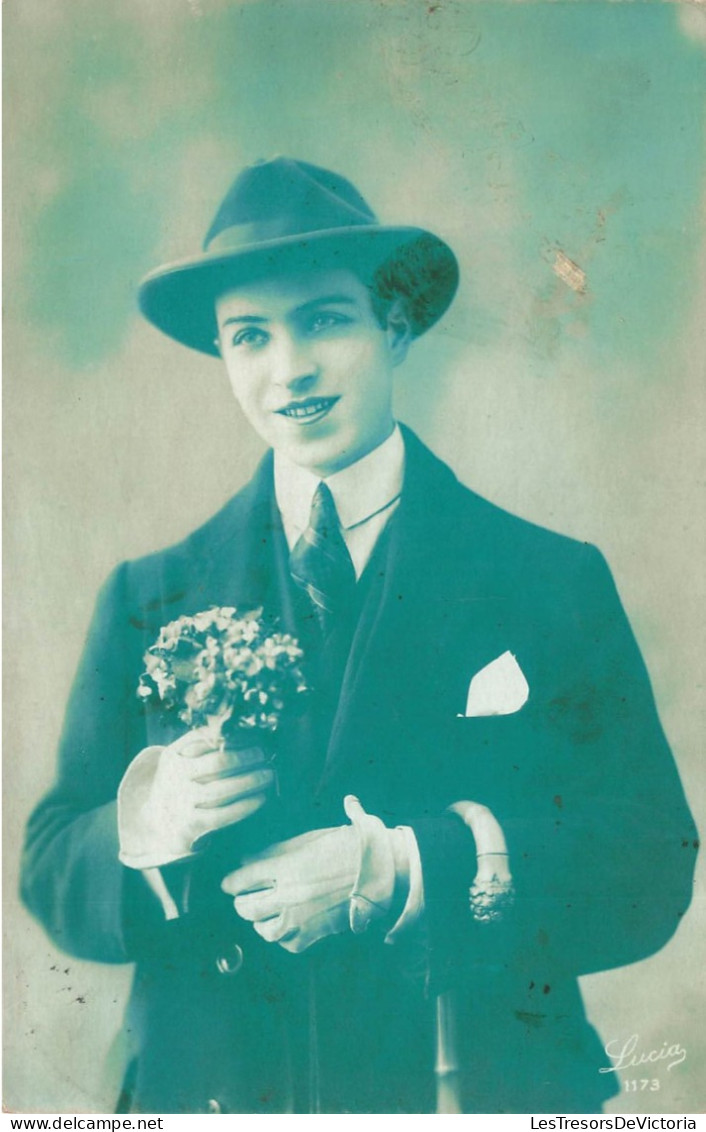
x,y
399,330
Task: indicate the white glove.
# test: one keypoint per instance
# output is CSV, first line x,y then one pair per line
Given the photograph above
x,y
298,891
322,883
171,797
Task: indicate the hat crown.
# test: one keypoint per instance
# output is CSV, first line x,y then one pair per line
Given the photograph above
x,y
285,214
283,197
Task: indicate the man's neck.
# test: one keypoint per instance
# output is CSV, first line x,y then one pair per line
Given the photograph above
x,y
365,493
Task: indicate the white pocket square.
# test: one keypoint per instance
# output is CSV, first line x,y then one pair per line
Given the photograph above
x,y
498,689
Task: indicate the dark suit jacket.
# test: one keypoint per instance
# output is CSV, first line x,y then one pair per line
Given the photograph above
x,y
581,780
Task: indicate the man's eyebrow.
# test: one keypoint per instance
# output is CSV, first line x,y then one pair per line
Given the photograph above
x,y
320,301
244,318
325,300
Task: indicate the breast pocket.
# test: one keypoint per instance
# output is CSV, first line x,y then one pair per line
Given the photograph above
x,y
496,757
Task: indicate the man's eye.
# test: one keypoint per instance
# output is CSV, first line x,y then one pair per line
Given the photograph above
x,y
249,336
324,320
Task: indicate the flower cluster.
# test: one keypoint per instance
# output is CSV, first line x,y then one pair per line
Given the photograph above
x,y
221,667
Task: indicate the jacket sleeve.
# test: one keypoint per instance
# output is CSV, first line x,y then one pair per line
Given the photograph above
x,y
91,905
601,841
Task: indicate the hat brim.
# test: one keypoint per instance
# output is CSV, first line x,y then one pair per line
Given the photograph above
x,y
180,298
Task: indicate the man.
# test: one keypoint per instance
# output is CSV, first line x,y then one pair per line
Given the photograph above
x,y
478,804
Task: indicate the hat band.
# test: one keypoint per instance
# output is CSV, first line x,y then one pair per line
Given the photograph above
x,y
241,235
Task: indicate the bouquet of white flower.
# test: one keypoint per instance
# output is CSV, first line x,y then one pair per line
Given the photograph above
x,y
224,670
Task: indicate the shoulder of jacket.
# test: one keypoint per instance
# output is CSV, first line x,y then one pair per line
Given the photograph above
x,y
167,570
466,524
516,529
474,516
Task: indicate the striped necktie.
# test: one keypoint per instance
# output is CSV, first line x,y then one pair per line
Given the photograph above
x,y
320,562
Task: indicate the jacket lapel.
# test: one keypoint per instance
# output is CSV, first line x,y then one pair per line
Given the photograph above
x,y
232,556
405,649
404,667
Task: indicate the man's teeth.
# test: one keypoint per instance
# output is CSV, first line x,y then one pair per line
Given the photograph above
x,y
309,410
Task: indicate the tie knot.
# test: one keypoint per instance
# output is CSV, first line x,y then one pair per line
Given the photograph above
x,y
323,517
320,562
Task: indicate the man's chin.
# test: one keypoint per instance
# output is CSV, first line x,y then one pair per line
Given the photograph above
x,y
321,465
316,447
324,449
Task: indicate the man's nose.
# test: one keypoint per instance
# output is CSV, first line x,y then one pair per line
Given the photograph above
x,y
293,365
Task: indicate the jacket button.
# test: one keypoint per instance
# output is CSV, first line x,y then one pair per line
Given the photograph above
x,y
230,964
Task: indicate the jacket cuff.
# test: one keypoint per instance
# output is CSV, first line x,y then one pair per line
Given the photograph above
x,y
389,872
414,904
448,860
140,847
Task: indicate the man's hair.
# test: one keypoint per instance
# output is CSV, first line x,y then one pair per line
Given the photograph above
x,y
415,274
384,289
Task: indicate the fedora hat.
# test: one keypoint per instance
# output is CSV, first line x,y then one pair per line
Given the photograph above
x,y
279,215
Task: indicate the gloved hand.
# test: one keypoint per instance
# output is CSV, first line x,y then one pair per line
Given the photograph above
x,y
171,797
322,883
298,891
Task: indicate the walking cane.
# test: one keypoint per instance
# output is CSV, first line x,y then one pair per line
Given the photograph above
x,y
490,896
448,1093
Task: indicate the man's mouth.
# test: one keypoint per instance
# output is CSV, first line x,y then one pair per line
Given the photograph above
x,y
309,410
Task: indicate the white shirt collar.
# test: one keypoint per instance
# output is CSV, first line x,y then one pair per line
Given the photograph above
x,y
360,491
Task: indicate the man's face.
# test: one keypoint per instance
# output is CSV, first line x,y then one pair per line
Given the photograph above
x,y
310,365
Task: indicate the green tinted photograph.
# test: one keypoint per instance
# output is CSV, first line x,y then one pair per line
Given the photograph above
x,y
354,411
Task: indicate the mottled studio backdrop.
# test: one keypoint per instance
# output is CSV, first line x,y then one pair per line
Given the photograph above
x,y
559,148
